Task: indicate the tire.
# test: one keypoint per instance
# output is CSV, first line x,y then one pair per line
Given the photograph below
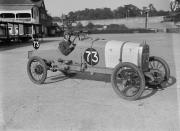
x,y
127,71
153,60
40,69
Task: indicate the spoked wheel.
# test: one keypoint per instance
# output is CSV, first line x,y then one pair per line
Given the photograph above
x,y
128,81
159,69
36,69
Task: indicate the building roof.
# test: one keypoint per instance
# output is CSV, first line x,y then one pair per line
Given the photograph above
x,y
21,2
18,22
15,7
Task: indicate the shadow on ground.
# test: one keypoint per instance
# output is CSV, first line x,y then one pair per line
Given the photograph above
x,y
14,45
56,78
151,90
148,92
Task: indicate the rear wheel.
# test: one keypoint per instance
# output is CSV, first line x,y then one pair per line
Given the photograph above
x,y
128,81
37,70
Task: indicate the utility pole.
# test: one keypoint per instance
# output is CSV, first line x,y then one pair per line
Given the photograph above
x,y
63,20
146,19
127,13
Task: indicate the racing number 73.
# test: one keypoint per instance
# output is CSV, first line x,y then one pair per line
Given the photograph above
x,y
36,44
91,56
94,56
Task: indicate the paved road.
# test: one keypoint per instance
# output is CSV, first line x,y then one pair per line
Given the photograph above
x,y
84,102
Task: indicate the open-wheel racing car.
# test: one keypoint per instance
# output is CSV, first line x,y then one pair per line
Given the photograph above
x,y
129,64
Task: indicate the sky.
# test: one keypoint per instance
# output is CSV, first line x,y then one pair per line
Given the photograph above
x,y
59,7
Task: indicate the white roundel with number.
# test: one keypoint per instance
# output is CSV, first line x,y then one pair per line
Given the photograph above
x,y
36,44
91,56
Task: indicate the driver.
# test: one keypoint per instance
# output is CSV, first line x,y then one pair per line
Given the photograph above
x,y
66,46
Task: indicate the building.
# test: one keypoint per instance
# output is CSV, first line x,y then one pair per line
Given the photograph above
x,y
32,11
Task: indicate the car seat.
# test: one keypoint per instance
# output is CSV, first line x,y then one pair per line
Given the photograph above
x,y
65,47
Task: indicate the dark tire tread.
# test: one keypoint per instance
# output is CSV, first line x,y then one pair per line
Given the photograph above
x,y
139,72
44,70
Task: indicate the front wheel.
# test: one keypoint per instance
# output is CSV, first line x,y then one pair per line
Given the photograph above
x,y
128,81
159,69
37,70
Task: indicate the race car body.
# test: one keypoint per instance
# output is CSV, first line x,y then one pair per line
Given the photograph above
x,y
129,63
100,53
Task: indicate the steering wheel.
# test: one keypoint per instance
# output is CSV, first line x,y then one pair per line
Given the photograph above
x,y
71,36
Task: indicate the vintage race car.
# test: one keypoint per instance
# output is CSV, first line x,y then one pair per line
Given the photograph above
x,y
129,64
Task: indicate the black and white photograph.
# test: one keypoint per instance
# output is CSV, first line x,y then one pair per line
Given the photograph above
x,y
89,65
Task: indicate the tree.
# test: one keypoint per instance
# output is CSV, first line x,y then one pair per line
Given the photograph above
x,y
152,10
116,27
129,10
120,12
90,25
151,7
174,5
132,10
79,25
107,13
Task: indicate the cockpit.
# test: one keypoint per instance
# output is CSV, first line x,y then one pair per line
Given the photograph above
x,y
67,45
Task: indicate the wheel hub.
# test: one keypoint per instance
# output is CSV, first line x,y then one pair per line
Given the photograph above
x,y
129,82
158,77
38,69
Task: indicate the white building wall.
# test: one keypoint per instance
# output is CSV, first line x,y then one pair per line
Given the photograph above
x,y
136,22
34,18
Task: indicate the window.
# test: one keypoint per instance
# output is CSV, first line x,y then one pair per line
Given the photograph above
x,y
7,15
23,15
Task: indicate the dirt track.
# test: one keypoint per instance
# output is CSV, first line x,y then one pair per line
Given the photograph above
x,y
84,102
